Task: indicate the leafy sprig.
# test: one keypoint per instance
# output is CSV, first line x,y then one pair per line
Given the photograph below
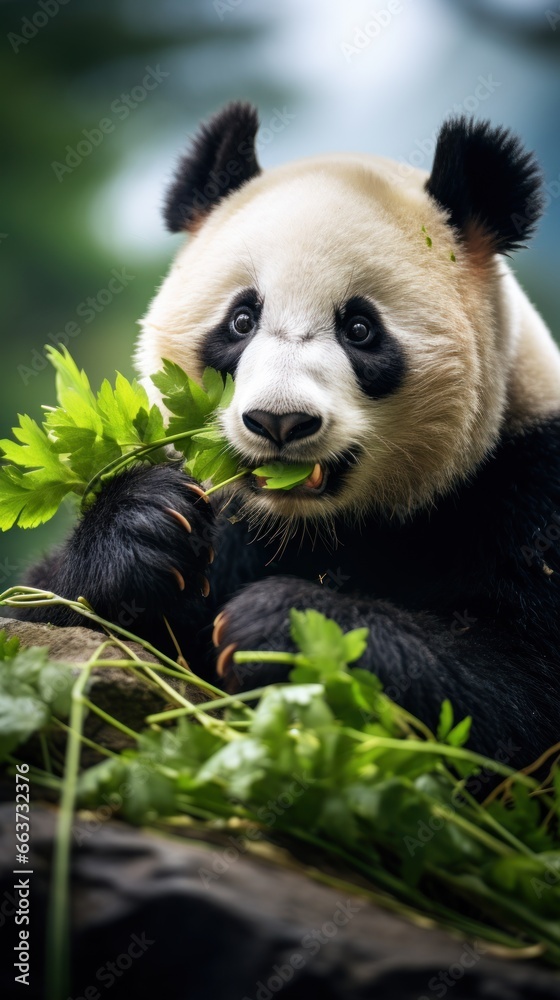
x,y
89,437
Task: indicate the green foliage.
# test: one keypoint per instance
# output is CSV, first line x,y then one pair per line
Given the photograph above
x,y
32,688
77,440
327,758
194,411
89,437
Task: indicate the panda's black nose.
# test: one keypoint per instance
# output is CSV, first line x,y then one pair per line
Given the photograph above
x,y
281,427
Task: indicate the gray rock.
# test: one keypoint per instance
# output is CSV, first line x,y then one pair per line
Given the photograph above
x,y
255,931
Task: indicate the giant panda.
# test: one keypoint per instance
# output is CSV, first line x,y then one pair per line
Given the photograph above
x,y
373,329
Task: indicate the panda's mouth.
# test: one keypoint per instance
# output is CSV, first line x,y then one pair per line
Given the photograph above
x,y
316,481
325,477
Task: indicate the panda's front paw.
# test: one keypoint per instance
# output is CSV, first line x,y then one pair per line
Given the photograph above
x,y
145,542
258,618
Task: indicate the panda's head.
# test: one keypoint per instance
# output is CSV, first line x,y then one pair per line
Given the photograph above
x,y
364,311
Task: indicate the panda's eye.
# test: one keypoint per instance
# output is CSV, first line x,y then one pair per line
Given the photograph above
x,y
242,321
359,331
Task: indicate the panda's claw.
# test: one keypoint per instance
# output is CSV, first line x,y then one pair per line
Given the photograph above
x,y
198,490
220,624
224,660
180,518
179,577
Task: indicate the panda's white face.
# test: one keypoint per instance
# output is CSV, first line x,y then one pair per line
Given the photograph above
x,y
362,337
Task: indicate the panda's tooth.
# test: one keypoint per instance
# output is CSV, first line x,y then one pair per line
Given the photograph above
x,y
316,478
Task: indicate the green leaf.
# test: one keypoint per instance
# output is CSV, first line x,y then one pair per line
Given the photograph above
x,y
20,716
29,499
31,687
282,476
183,397
320,639
355,643
69,376
149,425
136,787
35,450
238,767
8,646
446,717
459,735
120,407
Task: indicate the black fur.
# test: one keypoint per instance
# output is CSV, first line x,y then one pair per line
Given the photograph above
x,y
380,368
222,349
461,601
485,178
221,160
122,554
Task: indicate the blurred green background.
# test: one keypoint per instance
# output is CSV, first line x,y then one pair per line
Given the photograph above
x,y
78,201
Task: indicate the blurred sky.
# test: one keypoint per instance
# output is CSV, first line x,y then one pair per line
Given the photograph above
x,y
375,76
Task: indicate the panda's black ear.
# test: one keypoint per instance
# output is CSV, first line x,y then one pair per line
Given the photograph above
x,y
489,184
222,158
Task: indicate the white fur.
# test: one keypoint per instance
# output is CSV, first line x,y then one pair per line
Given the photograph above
x,y
311,235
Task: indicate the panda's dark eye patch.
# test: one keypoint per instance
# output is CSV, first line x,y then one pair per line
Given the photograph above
x,y
225,343
373,351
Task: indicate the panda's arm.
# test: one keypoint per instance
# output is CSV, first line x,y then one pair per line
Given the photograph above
x,y
509,689
140,553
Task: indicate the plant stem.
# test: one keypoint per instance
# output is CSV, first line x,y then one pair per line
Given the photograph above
x,y
111,720
45,752
226,482
43,598
59,925
228,701
134,455
270,656
158,682
439,749
85,739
